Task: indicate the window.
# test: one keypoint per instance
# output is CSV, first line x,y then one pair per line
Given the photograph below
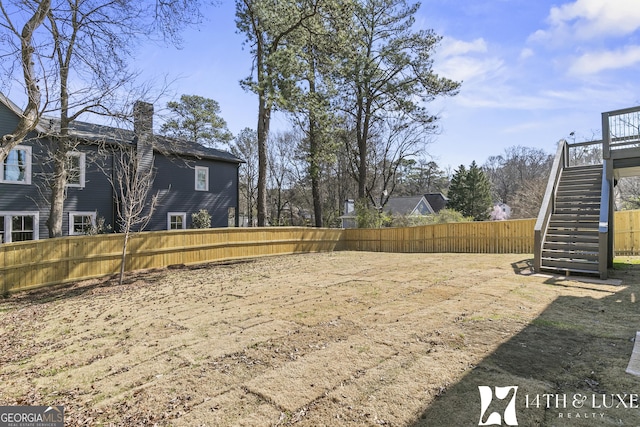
x,y
81,222
16,168
18,226
76,169
202,178
176,220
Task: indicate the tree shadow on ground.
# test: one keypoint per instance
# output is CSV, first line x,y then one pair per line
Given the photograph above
x,y
564,364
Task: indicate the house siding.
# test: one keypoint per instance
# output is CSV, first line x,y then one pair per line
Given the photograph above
x,y
176,191
174,183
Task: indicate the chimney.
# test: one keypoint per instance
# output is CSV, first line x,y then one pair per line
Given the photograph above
x,y
143,130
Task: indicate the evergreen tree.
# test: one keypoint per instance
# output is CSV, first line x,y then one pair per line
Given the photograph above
x,y
479,192
457,190
470,192
197,119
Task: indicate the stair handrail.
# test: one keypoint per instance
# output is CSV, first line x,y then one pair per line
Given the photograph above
x,y
548,203
603,223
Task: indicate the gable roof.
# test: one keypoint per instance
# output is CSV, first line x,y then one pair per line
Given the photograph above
x,y
92,132
96,133
404,205
437,201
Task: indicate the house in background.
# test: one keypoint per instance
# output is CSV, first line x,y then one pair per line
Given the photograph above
x,y
427,204
188,177
500,212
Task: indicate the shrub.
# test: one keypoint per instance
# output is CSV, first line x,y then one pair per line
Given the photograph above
x,y
201,219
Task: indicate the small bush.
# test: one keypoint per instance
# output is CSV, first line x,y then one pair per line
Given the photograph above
x,y
369,217
201,219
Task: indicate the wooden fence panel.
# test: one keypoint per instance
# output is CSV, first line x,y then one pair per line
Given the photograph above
x,y
26,265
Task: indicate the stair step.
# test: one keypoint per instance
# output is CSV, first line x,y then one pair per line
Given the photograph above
x,y
580,192
582,217
579,205
585,168
567,271
577,198
571,264
573,255
579,186
578,210
589,246
571,236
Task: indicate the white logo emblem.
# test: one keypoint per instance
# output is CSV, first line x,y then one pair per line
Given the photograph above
x,y
501,393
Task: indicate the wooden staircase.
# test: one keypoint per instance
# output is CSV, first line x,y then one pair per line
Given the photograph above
x,y
570,244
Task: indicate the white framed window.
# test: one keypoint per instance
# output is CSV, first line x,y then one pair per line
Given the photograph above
x,y
176,220
19,226
81,223
202,178
76,165
16,168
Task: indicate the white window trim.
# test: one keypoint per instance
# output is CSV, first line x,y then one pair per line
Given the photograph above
x,y
206,169
7,223
82,164
182,214
73,214
27,181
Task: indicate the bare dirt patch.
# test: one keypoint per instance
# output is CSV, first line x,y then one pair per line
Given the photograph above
x,y
346,338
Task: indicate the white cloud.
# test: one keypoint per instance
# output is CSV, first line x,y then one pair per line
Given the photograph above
x,y
466,60
590,19
452,47
526,53
594,62
467,68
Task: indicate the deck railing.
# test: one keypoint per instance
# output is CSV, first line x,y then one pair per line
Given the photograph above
x,y
620,130
604,246
548,202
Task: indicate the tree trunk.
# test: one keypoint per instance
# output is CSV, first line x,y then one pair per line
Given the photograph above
x,y
264,116
123,260
58,186
314,152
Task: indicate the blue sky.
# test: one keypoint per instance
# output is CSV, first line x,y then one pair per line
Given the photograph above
x,y
532,71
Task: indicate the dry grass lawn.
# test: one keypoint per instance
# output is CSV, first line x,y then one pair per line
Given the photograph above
x,y
345,338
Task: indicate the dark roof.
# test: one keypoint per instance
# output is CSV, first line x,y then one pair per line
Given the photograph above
x,y
437,201
112,135
402,205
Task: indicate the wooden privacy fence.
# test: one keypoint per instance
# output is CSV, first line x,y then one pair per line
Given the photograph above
x,y
37,263
515,236
32,264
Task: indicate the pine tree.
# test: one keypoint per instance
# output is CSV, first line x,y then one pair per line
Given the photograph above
x,y
470,192
479,192
457,190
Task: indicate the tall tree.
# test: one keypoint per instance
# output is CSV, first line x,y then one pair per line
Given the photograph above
x,y
26,52
198,119
270,28
470,192
388,73
510,171
246,148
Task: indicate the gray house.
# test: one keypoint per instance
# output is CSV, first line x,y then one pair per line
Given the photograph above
x,y
187,177
427,204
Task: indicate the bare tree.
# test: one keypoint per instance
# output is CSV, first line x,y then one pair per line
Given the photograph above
x,y
134,204
86,42
509,172
400,140
132,179
26,51
246,148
